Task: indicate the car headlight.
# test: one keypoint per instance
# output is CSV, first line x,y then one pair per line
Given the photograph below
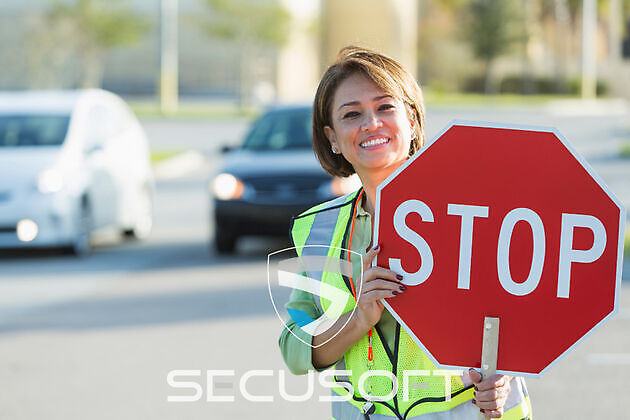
x,y
27,230
227,187
342,186
50,181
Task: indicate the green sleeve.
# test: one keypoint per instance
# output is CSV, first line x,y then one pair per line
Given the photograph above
x,y
298,355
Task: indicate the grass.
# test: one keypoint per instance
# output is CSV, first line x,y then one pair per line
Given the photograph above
x,y
161,155
194,110
624,150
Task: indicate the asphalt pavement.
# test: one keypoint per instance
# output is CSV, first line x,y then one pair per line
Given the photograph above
x,y
98,337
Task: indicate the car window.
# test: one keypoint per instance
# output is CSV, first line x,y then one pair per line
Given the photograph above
x,y
33,130
280,130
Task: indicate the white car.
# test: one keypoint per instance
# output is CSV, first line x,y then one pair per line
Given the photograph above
x,y
71,162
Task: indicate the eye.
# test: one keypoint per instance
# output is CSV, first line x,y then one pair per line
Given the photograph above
x,y
385,107
350,114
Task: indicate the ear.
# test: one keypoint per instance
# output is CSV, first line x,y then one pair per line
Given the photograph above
x,y
411,118
330,135
412,124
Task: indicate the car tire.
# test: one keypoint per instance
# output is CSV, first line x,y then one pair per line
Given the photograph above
x,y
80,245
144,219
225,242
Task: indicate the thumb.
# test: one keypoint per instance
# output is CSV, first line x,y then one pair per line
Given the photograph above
x,y
474,376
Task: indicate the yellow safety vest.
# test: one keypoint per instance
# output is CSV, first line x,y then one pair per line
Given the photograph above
x,y
328,224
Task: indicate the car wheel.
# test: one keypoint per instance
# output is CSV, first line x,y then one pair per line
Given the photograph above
x,y
225,242
144,218
80,245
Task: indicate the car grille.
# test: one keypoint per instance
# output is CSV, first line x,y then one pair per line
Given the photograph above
x,y
286,189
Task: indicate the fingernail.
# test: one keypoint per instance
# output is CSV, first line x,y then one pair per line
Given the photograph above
x,y
399,277
394,293
475,394
403,288
474,401
481,410
376,247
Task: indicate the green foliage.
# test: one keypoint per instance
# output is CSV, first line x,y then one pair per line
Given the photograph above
x,y
102,24
87,28
539,85
263,22
489,27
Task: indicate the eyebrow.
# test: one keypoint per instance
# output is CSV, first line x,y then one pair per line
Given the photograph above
x,y
375,99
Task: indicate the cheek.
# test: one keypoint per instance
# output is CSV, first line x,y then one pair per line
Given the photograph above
x,y
346,134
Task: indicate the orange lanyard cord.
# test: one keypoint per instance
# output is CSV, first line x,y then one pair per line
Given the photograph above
x,y
354,293
354,214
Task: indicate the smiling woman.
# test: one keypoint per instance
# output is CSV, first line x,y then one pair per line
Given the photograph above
x,y
368,119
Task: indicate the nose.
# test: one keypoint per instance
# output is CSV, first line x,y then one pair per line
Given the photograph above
x,y
370,122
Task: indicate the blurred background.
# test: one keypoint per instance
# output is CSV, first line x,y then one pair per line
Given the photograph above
x,y
112,276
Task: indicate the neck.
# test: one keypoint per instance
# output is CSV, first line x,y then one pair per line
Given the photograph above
x,y
370,180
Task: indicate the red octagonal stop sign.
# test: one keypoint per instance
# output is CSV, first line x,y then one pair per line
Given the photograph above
x,y
504,222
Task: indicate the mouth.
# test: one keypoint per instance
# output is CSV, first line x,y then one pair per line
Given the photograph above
x,y
374,142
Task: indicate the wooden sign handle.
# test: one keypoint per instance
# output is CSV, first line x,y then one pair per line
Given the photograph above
x,y
489,350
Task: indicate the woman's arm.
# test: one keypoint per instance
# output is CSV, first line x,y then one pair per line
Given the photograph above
x,y
295,352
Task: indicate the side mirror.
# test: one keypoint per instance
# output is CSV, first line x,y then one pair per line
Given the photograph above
x,y
225,148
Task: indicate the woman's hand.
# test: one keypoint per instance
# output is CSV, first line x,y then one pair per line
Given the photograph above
x,y
491,393
378,283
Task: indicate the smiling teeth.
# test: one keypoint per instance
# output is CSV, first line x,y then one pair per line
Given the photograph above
x,y
374,142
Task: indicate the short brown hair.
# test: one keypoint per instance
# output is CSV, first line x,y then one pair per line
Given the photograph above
x,y
388,74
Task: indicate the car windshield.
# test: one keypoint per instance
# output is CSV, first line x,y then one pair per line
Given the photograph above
x,y
281,130
33,130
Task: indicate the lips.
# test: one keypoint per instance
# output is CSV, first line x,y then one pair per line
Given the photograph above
x,y
374,142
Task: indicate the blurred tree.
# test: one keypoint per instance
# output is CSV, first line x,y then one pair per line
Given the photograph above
x,y
490,28
251,25
440,53
93,27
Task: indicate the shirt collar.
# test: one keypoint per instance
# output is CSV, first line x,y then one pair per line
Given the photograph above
x,y
361,212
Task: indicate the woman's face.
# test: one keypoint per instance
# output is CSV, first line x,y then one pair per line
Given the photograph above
x,y
369,127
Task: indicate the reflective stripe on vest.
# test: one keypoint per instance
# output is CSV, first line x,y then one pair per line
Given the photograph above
x,y
433,395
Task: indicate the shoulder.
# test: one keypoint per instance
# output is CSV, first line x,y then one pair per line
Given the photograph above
x,y
341,201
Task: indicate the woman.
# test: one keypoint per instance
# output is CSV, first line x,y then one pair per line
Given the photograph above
x,y
368,118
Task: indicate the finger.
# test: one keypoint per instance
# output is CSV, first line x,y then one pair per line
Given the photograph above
x,y
381,284
495,404
475,376
492,394
493,414
376,295
380,272
494,381
369,257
